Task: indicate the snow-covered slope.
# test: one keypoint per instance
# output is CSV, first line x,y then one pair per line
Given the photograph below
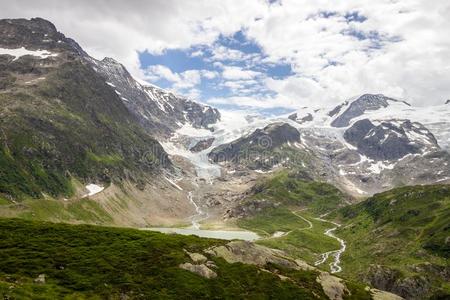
x,y
378,108
232,126
384,143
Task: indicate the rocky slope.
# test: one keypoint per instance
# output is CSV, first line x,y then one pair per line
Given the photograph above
x,y
159,111
61,121
258,146
365,145
352,109
390,140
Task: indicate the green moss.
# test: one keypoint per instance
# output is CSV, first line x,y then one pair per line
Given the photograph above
x,y
300,241
296,200
89,211
83,210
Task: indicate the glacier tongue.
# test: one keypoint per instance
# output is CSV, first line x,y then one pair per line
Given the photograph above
x,y
232,126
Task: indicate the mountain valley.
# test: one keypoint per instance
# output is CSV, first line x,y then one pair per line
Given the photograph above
x,y
343,202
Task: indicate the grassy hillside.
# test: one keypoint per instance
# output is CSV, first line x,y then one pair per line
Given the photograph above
x,y
81,262
406,230
297,201
294,190
397,240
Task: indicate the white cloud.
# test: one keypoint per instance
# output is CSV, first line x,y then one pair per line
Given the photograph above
x,y
209,74
415,67
119,29
183,82
197,53
407,55
155,72
237,73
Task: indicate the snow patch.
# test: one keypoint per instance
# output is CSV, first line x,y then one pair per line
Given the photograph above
x,y
93,189
380,166
19,52
173,183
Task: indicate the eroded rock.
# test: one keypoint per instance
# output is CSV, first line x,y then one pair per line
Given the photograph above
x,y
249,253
332,286
201,270
383,295
197,258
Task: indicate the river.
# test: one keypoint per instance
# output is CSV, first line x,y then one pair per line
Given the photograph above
x,y
335,264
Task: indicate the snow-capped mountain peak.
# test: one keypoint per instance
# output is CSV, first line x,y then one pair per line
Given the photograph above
x,y
356,108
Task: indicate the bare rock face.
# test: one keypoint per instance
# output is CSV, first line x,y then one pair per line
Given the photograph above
x,y
359,106
266,139
202,145
201,270
382,295
159,111
249,253
36,33
307,118
390,140
197,257
390,280
332,286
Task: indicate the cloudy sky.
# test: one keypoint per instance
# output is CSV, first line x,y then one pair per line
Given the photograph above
x,y
271,56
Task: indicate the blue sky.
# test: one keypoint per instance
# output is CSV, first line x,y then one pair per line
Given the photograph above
x,y
232,66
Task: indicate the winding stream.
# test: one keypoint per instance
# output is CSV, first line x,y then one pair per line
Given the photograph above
x,y
199,216
335,264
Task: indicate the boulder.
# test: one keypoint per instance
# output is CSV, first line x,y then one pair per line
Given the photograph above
x,y
201,270
40,279
197,258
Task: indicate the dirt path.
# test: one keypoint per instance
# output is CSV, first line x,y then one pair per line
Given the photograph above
x,y
310,225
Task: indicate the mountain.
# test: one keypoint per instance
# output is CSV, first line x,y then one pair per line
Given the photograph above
x,y
258,146
358,107
377,108
159,111
365,145
390,140
61,121
71,126
82,141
